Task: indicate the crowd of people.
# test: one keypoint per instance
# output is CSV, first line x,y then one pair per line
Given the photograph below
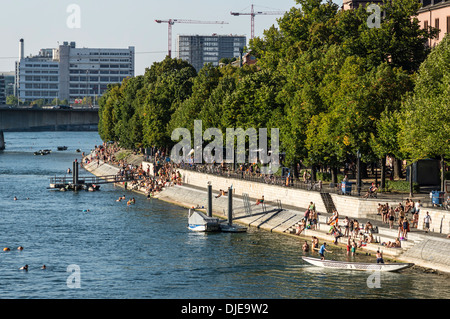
x,y
137,177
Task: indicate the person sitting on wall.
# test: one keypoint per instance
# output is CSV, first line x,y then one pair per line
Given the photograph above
x,y
260,201
372,191
221,193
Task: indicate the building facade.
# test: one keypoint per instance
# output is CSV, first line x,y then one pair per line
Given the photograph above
x,y
7,80
355,4
71,73
435,13
201,49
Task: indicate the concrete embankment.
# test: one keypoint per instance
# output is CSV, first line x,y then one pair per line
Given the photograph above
x,y
430,250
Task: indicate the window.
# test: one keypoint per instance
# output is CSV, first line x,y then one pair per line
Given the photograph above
x,y
425,24
436,25
448,24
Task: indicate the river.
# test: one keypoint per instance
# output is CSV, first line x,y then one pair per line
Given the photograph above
x,y
145,251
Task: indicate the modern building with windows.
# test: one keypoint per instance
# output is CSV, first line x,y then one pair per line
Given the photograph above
x,y
7,80
71,73
201,49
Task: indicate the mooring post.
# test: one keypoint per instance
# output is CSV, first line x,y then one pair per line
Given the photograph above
x,y
230,206
75,173
2,141
209,200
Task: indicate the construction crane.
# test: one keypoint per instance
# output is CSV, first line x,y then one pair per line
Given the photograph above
x,y
252,15
171,22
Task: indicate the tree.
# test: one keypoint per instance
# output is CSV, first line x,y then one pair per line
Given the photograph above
x,y
12,100
425,120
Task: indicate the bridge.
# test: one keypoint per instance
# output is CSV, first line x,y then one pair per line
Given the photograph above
x,y
30,119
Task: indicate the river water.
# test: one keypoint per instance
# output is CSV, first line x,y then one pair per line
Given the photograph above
x,y
145,251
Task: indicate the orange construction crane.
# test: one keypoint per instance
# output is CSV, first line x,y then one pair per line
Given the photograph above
x,y
171,22
253,13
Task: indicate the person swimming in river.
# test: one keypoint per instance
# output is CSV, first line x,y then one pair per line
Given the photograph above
x,y
221,193
131,201
120,198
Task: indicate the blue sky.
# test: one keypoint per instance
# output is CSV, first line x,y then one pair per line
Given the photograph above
x,y
120,23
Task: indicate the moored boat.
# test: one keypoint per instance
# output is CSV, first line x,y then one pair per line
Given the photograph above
x,y
198,221
334,264
42,152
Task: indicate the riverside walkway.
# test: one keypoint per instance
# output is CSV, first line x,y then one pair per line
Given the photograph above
x,y
430,250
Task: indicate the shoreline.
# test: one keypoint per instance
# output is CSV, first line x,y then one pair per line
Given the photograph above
x,y
188,196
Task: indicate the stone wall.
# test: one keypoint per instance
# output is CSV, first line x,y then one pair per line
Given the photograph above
x,y
287,196
346,205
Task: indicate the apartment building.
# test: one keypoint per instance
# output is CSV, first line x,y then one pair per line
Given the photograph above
x,y
201,49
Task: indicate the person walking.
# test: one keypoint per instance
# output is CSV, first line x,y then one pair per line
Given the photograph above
x,y
427,221
322,251
380,257
405,228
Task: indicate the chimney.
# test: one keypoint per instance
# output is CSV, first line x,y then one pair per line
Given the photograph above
x,y
21,50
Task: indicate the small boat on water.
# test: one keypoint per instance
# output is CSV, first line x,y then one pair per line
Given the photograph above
x,y
62,148
198,221
355,265
42,152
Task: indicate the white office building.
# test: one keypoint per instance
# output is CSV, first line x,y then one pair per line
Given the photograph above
x,y
71,73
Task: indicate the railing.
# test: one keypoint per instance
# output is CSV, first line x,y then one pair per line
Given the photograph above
x,y
266,178
95,179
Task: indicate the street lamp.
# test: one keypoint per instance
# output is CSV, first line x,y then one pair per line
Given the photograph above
x,y
358,176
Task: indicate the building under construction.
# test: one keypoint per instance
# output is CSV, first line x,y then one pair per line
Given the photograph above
x,y
201,49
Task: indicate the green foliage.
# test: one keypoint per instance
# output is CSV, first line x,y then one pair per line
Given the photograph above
x,y
400,187
332,85
326,177
425,121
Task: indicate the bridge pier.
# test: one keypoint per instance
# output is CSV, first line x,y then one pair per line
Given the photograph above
x,y
2,141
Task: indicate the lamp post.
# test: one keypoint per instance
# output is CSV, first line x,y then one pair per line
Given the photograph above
x,y
358,173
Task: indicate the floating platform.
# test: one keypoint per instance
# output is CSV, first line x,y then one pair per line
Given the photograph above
x,y
227,228
200,222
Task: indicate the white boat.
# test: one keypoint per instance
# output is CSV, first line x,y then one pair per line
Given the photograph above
x,y
355,265
198,221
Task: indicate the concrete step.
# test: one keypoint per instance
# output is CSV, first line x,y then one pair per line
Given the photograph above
x,y
384,235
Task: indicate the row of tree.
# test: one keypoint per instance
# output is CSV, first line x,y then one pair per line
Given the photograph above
x,y
334,86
